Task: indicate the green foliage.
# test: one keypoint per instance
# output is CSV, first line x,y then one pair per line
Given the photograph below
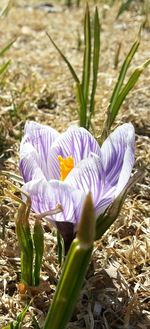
x,y
86,88
60,248
74,270
121,89
87,59
4,12
85,96
6,48
124,6
4,66
38,241
31,245
25,243
96,52
113,109
17,324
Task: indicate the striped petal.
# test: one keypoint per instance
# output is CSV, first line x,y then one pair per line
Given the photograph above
x,y
118,156
75,142
89,176
30,163
55,195
41,138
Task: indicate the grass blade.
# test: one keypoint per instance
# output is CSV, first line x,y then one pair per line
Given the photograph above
x,y
124,6
3,51
60,248
129,85
17,324
74,75
80,97
122,74
38,240
82,104
25,243
21,316
96,53
4,67
6,10
87,56
112,109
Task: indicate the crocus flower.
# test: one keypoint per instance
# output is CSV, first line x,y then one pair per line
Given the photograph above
x,y
60,169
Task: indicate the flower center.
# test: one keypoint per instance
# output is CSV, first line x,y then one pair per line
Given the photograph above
x,y
66,164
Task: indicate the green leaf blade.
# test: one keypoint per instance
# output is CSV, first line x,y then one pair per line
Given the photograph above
x,y
72,71
74,270
82,104
6,48
38,240
122,74
126,89
112,108
25,243
87,56
96,54
4,67
124,6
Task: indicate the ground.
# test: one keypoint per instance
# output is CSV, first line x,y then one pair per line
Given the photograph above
x,y
38,86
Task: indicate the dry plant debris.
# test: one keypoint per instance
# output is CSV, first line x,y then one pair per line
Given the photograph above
x,y
38,86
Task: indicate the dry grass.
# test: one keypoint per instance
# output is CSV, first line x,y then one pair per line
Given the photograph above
x,y
38,86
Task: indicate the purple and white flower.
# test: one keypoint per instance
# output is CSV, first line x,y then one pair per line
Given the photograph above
x,y
60,169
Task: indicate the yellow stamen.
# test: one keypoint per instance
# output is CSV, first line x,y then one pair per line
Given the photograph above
x,y
65,166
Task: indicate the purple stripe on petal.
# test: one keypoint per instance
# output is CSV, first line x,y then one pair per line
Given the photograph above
x,y
77,142
46,196
128,163
87,176
30,162
41,137
114,150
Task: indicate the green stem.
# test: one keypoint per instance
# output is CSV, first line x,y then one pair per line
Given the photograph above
x,y
69,286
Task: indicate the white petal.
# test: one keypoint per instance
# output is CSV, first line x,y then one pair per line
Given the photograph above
x,y
89,176
41,137
75,142
118,155
46,196
30,163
